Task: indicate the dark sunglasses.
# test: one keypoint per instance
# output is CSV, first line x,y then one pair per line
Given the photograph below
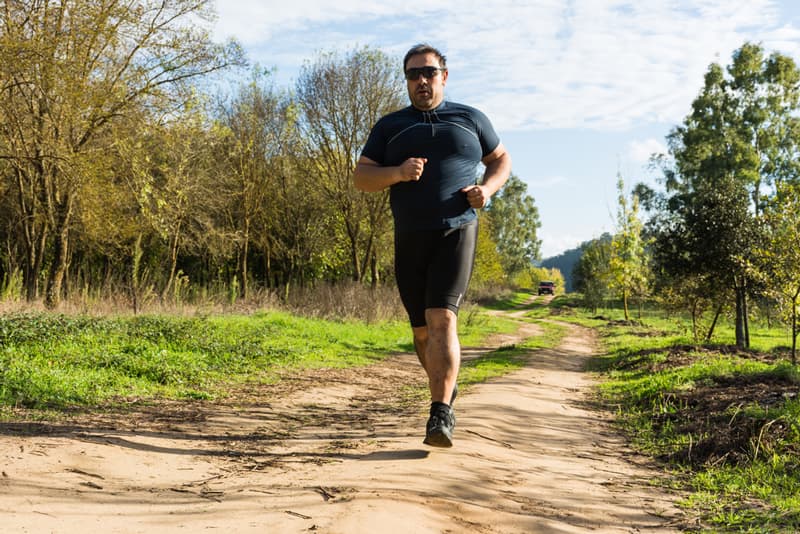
x,y
429,72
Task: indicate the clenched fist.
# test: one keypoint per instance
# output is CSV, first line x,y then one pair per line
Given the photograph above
x,y
476,196
411,169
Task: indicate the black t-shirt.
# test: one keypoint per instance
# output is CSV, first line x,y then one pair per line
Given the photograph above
x,y
454,138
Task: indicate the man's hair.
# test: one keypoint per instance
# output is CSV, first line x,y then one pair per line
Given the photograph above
x,y
425,48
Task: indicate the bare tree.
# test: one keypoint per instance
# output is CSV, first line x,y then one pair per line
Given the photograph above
x,y
68,71
341,97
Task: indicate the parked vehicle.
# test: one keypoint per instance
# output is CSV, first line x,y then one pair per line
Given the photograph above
x,y
547,288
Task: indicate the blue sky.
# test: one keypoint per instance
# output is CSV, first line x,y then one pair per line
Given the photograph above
x,y
578,90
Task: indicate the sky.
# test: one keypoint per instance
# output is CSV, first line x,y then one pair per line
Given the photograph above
x,y
579,91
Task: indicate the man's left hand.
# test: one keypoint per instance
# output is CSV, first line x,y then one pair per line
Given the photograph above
x,y
476,196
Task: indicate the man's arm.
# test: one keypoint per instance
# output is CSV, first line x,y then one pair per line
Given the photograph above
x,y
371,177
498,168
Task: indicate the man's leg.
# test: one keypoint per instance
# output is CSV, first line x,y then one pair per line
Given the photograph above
x,y
421,343
442,353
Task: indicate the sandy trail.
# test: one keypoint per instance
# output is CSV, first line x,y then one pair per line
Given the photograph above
x,y
341,452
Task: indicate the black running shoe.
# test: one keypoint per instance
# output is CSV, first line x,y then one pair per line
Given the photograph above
x,y
439,431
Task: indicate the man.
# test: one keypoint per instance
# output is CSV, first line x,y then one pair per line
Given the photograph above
x,y
428,154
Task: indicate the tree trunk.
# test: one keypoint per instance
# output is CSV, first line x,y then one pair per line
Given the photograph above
x,y
746,318
374,268
56,277
713,323
794,327
63,219
173,263
625,304
243,288
135,286
794,333
741,318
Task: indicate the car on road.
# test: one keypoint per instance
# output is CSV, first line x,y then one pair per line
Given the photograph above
x,y
547,288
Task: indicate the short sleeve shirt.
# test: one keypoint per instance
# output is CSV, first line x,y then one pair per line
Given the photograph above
x,y
454,138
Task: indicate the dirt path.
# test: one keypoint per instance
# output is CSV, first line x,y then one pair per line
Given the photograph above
x,y
341,452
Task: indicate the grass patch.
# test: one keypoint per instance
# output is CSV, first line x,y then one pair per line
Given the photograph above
x,y
726,420
51,361
509,358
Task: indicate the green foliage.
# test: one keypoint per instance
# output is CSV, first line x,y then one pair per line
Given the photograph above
x,y
515,221
728,422
628,265
728,156
779,255
488,267
592,274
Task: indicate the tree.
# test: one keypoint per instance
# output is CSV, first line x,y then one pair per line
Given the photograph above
x,y
591,274
515,221
628,264
488,269
260,132
737,144
341,98
68,72
780,256
171,174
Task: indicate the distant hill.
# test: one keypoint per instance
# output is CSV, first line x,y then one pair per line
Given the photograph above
x,y
566,261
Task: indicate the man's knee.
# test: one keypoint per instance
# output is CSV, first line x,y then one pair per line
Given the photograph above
x,y
440,319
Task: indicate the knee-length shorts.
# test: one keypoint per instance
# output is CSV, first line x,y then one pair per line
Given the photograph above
x,y
433,268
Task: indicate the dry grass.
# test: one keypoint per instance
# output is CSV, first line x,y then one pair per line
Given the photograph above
x,y
325,301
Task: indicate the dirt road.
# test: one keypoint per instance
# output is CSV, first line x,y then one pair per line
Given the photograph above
x,y
341,452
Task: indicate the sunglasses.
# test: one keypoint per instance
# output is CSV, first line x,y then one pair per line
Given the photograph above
x,y
429,72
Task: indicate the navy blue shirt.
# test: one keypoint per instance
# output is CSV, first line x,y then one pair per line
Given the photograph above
x,y
454,138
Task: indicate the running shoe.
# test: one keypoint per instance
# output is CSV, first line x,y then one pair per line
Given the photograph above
x,y
439,430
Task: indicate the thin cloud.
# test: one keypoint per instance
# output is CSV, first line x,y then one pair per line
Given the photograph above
x,y
547,182
641,151
592,64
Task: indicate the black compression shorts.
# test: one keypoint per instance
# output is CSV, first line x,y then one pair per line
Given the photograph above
x,y
433,268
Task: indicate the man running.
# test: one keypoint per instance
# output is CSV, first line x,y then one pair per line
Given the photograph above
x,y
428,154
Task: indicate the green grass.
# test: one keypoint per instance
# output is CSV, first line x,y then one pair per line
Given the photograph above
x,y
50,361
53,360
509,358
726,422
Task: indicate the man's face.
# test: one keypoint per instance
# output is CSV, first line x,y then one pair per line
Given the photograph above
x,y
426,93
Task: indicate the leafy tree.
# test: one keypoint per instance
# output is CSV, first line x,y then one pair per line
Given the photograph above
x,y
68,72
780,255
737,144
260,130
341,98
488,268
592,274
515,221
628,264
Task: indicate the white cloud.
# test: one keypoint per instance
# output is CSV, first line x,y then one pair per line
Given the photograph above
x,y
555,244
640,151
596,64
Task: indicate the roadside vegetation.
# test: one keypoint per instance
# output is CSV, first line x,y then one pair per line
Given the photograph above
x,y
723,422
50,362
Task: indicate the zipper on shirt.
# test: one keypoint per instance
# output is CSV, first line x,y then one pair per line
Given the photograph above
x,y
428,116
